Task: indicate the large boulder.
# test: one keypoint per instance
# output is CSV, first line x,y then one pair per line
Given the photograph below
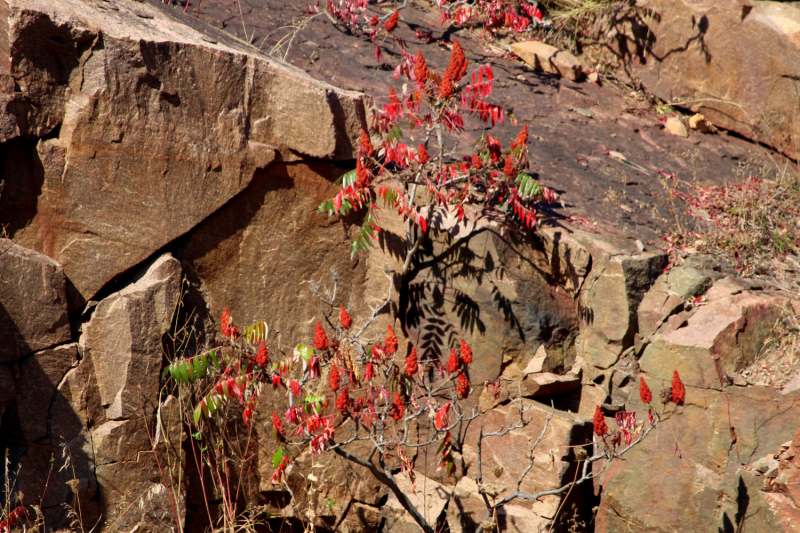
x,y
123,339
694,476
721,58
33,304
722,336
146,126
609,302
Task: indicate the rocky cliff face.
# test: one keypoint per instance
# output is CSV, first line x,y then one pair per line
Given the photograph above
x,y
157,171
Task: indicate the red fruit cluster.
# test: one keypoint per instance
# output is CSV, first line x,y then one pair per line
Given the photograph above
x,y
334,378
262,356
456,69
362,175
320,338
420,68
422,155
463,387
452,362
366,144
508,169
599,423
228,329
412,367
344,318
477,162
343,401
390,344
466,353
398,407
678,390
277,426
644,391
391,22
522,137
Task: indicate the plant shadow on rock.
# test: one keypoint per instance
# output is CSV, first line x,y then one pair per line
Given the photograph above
x,y
742,503
487,289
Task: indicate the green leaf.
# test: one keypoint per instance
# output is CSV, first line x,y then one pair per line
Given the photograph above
x,y
277,457
347,179
528,187
213,355
198,367
256,333
305,351
198,412
326,207
183,374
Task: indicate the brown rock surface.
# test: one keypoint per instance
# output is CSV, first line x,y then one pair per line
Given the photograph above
x,y
33,304
698,483
152,128
720,57
123,339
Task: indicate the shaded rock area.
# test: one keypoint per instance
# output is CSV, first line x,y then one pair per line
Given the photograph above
x,y
158,170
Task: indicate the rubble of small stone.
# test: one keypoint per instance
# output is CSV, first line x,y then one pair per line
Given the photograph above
x,y
150,159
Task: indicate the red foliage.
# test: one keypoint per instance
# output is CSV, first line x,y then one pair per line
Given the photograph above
x,y
644,391
411,363
344,318
390,344
368,372
366,144
420,68
320,338
452,362
477,162
600,427
391,22
422,155
262,356
463,387
508,169
334,378
466,352
343,401
678,390
398,406
374,21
